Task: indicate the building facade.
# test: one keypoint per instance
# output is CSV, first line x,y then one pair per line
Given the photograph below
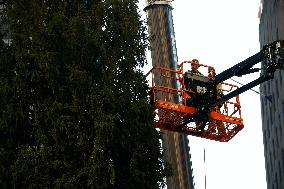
x,y
271,28
164,54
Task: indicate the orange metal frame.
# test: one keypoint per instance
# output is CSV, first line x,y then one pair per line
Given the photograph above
x,y
224,123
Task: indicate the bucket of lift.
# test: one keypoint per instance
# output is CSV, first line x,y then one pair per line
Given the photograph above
x,y
181,103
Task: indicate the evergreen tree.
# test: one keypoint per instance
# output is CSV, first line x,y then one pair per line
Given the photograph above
x,y
74,110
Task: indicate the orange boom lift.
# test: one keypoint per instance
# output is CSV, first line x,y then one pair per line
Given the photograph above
x,y
208,106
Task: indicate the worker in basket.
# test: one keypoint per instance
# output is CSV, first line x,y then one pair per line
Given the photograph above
x,y
221,129
190,86
220,95
193,91
194,71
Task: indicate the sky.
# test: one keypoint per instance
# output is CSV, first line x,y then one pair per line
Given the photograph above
x,y
221,33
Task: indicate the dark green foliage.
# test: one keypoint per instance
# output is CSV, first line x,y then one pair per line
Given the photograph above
x,y
74,107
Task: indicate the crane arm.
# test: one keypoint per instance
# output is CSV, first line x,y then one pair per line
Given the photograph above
x,y
272,57
239,68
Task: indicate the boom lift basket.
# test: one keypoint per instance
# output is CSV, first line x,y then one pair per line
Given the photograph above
x,y
221,122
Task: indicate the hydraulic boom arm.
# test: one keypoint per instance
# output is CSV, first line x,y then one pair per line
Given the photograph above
x,y
272,57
